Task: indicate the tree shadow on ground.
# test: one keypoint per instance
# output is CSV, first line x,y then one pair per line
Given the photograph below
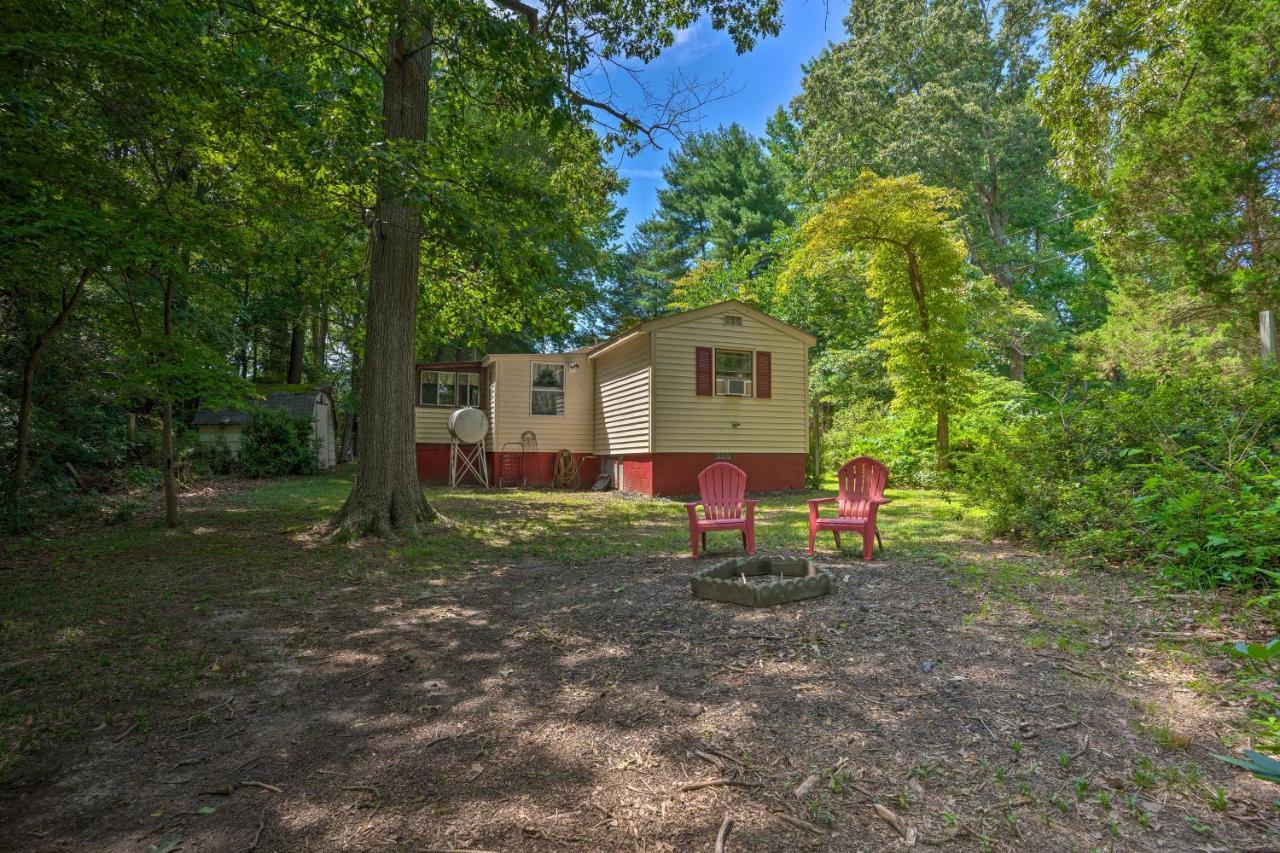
x,y
550,705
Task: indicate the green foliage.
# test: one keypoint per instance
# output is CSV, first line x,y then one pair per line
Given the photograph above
x,y
1263,766
1258,652
276,442
1179,476
904,439
1177,137
915,268
940,89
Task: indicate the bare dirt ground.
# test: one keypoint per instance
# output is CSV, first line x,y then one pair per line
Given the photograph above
x,y
538,706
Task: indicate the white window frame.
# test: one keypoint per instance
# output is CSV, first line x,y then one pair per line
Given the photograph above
x,y
474,383
715,371
534,390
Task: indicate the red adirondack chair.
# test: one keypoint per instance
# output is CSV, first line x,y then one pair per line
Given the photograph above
x,y
862,483
723,506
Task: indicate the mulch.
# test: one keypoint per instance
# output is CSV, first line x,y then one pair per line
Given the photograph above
x,y
548,707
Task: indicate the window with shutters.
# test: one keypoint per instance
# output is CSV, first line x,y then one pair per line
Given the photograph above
x,y
734,372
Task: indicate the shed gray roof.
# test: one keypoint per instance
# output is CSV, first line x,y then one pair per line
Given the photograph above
x,y
301,404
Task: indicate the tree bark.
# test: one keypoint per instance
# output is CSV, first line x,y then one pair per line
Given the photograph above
x,y
996,224
297,349
319,339
387,498
942,439
170,485
166,425
29,369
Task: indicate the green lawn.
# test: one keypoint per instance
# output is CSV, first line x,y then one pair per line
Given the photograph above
x,y
99,624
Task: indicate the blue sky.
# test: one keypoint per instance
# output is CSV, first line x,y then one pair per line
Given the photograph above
x,y
759,82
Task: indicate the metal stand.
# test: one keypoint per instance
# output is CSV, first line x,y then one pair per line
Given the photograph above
x,y
468,459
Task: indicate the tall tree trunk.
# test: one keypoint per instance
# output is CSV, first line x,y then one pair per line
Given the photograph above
x,y
387,498
319,338
170,485
166,425
997,226
29,368
942,439
297,350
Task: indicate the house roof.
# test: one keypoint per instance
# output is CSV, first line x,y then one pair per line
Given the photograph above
x,y
685,316
299,403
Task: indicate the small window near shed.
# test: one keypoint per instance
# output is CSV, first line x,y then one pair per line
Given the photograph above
x,y
732,320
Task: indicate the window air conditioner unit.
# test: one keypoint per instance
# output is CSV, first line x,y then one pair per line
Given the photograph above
x,y
735,387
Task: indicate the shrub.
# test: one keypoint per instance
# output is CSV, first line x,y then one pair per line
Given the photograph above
x,y
1183,476
276,442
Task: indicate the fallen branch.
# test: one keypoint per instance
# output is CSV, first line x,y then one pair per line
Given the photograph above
x,y
262,821
723,834
209,712
124,734
904,829
711,783
798,823
439,739
1083,674
984,725
366,788
361,674
710,759
724,755
250,783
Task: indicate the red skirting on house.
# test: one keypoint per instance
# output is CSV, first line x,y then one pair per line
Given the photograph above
x,y
536,470
677,473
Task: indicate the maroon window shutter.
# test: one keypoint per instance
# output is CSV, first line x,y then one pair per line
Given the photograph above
x,y
764,375
703,368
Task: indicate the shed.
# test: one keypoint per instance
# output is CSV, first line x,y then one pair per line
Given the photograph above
x,y
226,426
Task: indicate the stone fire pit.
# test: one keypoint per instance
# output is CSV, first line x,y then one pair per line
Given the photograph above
x,y
777,581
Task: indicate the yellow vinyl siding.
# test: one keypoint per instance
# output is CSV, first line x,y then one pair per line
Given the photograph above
x,y
513,403
622,399
684,422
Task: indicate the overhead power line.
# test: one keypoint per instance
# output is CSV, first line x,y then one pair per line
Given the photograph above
x,y
988,239
1060,257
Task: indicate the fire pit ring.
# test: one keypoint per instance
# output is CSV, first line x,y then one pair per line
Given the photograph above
x,y
794,580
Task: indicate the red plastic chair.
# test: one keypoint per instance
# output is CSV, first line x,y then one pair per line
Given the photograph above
x,y
862,483
723,487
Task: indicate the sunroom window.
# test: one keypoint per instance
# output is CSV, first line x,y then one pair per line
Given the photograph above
x,y
449,388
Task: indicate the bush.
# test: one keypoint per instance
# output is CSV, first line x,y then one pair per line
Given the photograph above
x,y
275,442
1183,476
